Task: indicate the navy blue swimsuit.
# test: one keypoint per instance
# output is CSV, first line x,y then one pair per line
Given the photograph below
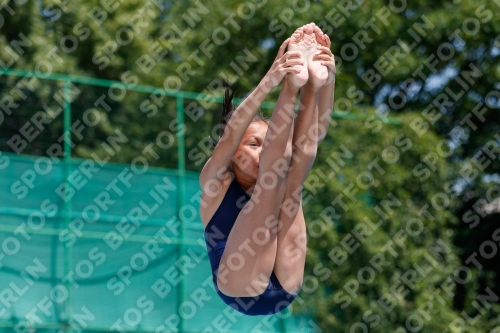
x,y
274,298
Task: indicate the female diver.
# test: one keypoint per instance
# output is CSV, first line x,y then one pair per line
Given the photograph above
x,y
251,203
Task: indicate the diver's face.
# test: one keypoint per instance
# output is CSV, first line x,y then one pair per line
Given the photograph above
x,y
246,158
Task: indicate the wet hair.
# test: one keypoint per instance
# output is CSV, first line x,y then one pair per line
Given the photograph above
x,y
228,109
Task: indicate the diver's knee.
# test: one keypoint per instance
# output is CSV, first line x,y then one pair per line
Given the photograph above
x,y
242,287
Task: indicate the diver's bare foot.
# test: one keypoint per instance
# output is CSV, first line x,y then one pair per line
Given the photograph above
x,y
300,41
318,73
305,40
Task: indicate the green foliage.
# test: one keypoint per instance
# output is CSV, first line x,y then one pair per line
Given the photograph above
x,y
383,222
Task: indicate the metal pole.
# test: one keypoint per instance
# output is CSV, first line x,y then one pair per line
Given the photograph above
x,y
187,94
181,164
67,201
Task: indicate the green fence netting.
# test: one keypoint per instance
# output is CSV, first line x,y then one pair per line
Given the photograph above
x,y
122,260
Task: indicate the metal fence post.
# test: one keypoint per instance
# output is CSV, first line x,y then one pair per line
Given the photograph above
x,y
181,166
67,201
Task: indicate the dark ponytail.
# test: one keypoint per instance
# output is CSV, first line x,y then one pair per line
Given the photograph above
x,y
227,105
227,110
